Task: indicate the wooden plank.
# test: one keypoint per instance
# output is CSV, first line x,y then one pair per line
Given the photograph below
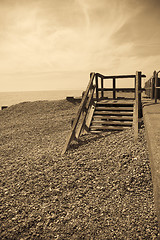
x,y
89,118
112,122
72,132
102,93
114,108
118,76
136,107
77,134
97,94
113,113
115,118
108,127
139,96
114,88
117,103
117,89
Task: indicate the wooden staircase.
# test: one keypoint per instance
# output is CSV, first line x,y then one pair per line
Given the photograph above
x,y
97,112
112,116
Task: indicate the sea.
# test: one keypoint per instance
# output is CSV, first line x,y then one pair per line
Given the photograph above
x,y
12,98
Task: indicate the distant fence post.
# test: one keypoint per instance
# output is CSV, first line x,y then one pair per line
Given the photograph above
x,y
156,84
153,85
137,106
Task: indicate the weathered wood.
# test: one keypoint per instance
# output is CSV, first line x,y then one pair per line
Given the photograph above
x,y
102,93
109,127
139,96
113,113
118,89
115,118
136,106
82,121
111,122
116,104
82,104
82,124
97,94
114,108
156,85
114,88
89,118
118,76
153,85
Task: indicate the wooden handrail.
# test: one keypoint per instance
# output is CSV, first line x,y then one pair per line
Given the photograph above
x,y
80,110
119,89
118,76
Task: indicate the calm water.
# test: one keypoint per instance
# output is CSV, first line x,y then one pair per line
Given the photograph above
x,y
11,98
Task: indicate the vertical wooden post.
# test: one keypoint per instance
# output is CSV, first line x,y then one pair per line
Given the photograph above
x,y
156,84
135,88
97,94
102,93
153,85
139,96
137,103
114,87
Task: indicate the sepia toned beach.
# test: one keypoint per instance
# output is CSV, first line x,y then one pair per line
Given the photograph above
x,y
101,188
79,120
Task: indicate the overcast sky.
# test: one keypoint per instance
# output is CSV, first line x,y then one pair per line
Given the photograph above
x,y
55,44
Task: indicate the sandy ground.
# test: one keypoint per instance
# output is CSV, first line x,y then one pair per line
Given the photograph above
x,y
100,189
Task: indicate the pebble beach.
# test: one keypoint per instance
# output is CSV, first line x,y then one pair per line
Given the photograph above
x,y
101,188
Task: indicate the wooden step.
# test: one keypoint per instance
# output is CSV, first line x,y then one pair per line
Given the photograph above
x,y
112,123
115,118
114,109
116,104
113,113
115,128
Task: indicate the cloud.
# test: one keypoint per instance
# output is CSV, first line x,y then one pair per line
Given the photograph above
x,y
77,35
141,29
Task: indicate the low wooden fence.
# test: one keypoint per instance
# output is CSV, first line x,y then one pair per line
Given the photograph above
x,y
100,90
152,86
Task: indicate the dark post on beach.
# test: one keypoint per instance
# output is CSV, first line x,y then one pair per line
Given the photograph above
x,y
137,108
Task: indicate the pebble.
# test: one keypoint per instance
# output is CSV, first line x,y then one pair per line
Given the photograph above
x,y
100,189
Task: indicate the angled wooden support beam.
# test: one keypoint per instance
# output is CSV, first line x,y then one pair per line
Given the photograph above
x,y
83,120
72,134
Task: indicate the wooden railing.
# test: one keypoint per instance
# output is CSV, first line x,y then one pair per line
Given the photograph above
x,y
152,86
79,123
100,85
83,115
